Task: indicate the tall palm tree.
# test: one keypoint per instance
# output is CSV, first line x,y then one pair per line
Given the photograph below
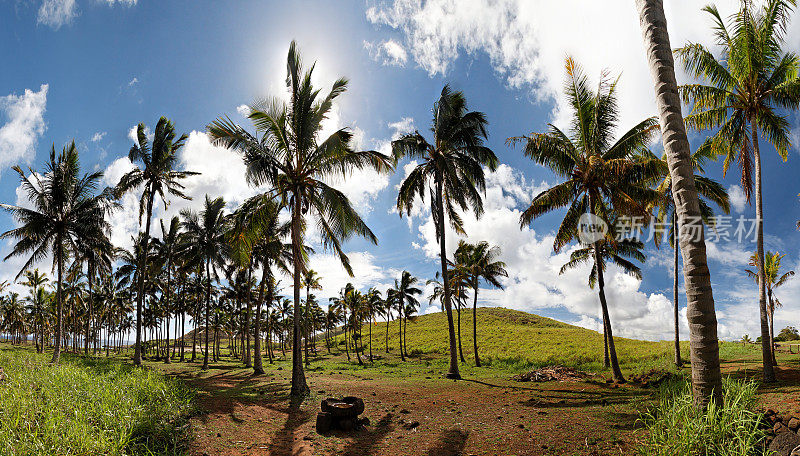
x,y
289,155
774,279
374,305
451,169
36,281
206,245
167,250
157,177
709,191
66,213
405,293
601,176
311,282
704,344
748,84
479,262
389,304
97,253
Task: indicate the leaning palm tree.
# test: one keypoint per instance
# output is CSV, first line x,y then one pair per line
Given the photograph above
x,y
206,246
476,262
704,344
157,177
601,176
709,191
774,279
451,170
288,154
752,79
65,214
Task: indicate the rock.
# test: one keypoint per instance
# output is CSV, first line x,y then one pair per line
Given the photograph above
x,y
778,427
794,424
785,443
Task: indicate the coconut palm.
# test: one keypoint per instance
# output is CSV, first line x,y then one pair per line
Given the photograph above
x,y
752,79
289,156
478,262
374,304
451,170
65,214
157,177
167,250
311,282
36,281
405,293
97,253
600,175
704,344
774,279
206,246
709,191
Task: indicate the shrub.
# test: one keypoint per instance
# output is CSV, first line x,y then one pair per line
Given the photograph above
x,y
677,428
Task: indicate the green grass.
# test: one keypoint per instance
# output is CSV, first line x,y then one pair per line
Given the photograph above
x,y
88,407
515,341
677,428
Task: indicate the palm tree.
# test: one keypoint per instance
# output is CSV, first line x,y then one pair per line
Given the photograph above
x,y
618,252
389,304
66,213
36,281
476,262
311,282
405,292
704,344
206,246
97,253
167,250
451,169
709,191
290,156
774,279
748,84
600,176
374,305
157,177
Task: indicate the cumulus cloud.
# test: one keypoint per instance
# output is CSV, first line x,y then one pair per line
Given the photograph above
x,y
98,136
737,198
25,124
243,110
527,40
388,52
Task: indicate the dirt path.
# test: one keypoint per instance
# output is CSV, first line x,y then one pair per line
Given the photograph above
x,y
245,415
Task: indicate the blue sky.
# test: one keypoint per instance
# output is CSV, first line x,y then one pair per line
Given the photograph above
x,y
90,70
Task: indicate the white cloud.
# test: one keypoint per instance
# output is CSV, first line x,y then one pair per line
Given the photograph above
x,y
98,136
527,40
737,198
388,52
243,110
55,13
133,131
127,3
133,82
18,136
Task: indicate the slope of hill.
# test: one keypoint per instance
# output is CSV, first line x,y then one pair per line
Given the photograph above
x,y
512,337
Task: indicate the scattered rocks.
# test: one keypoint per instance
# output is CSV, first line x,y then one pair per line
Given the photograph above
x,y
553,373
653,378
794,424
785,443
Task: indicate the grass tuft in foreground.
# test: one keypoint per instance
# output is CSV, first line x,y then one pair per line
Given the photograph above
x,y
88,407
677,428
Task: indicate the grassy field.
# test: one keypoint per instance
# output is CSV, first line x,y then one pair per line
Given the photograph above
x,y
88,407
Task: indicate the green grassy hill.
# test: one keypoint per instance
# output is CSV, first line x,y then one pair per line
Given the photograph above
x,y
517,339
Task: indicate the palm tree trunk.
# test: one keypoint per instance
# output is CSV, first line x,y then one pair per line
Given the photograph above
x,y
89,274
307,324
766,348
167,355
453,372
772,327
460,350
258,367
475,324
704,344
678,360
400,327
137,353
606,358
208,312
59,300
299,386
387,331
612,352
370,338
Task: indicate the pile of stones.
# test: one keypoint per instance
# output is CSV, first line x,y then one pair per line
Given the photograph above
x,y
783,438
341,414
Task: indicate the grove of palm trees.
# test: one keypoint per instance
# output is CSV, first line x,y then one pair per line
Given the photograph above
x,y
583,280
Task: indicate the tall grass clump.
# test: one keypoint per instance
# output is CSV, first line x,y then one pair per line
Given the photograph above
x,y
677,428
88,407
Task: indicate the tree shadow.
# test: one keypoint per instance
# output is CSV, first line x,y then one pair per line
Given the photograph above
x,y
283,441
365,440
451,442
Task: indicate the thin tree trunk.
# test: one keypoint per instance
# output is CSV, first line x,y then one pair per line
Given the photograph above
x,y
475,324
89,274
370,338
258,368
388,318
460,350
400,327
772,327
612,352
678,360
59,301
137,353
766,348
453,372
299,386
307,324
704,344
247,318
208,312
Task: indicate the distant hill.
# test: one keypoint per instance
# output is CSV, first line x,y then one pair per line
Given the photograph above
x,y
511,336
